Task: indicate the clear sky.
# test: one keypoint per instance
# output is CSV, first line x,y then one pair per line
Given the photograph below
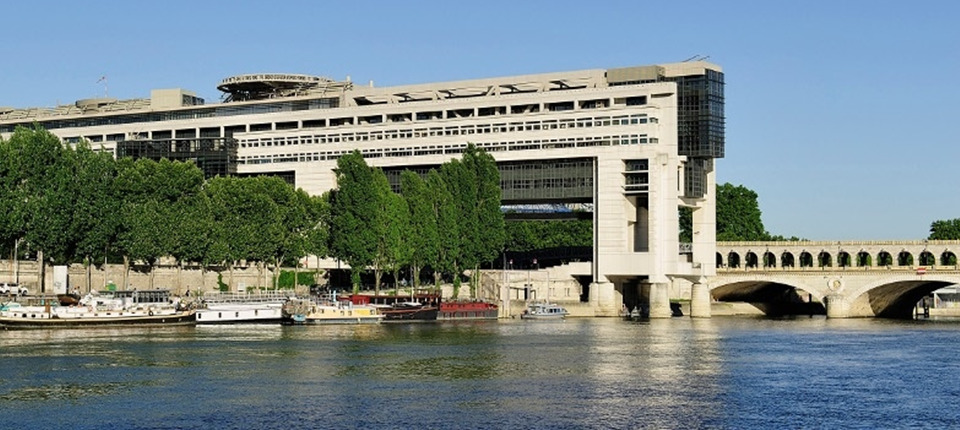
x,y
841,115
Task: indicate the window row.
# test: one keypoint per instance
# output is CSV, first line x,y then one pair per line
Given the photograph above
x,y
451,130
572,142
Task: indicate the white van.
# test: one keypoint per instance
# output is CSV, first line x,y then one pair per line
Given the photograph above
x,y
12,288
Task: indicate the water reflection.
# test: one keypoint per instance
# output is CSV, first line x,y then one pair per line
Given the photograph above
x,y
579,373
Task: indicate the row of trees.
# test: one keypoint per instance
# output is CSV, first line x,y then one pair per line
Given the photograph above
x,y
74,205
449,221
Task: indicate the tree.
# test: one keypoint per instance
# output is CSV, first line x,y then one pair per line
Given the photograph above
x,y
96,214
424,237
738,214
490,234
945,229
446,215
461,182
42,195
397,236
353,210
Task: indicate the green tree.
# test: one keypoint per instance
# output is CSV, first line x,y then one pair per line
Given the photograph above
x,y
353,211
42,197
424,237
96,213
397,236
945,229
447,218
738,214
489,236
461,183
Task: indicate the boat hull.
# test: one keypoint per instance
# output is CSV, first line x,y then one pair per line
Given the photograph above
x,y
468,311
240,315
369,319
421,314
180,318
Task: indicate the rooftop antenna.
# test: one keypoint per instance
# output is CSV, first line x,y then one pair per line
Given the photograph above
x,y
103,79
691,58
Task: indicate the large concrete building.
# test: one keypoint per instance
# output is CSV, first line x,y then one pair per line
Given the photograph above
x,y
629,144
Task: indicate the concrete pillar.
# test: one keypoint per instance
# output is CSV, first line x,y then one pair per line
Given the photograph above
x,y
700,300
837,306
602,296
660,300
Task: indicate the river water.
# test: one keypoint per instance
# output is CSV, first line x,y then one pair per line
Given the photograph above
x,y
724,373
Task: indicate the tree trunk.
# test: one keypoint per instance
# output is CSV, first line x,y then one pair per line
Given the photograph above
x,y
126,272
89,262
41,264
179,276
296,276
152,274
376,279
230,279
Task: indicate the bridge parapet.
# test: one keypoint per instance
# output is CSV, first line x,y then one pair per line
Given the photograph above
x,y
837,254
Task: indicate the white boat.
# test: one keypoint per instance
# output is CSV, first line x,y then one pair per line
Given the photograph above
x,y
544,311
106,308
241,308
305,311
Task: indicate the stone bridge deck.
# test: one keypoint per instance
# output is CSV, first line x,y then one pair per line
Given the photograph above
x,y
848,279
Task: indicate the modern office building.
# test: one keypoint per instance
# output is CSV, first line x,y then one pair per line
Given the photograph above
x,y
632,144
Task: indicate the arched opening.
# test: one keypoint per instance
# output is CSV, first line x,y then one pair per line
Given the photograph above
x,y
733,260
844,259
719,260
786,260
769,260
898,299
948,259
927,259
824,259
771,298
806,259
752,260
884,259
863,259
904,258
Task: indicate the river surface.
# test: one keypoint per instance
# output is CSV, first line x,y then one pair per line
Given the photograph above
x,y
724,373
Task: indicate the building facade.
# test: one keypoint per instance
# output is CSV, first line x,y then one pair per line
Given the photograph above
x,y
631,144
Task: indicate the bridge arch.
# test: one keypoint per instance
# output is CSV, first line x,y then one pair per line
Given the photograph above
x,y
824,259
843,259
772,298
948,258
751,260
806,259
863,259
769,260
926,258
884,259
904,258
786,259
733,259
720,260
894,298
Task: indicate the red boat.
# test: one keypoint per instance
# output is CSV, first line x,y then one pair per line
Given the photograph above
x,y
468,310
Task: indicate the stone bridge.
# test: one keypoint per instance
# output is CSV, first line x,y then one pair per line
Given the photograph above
x,y
841,279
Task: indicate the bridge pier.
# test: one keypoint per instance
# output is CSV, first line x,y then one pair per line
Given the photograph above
x,y
837,306
700,300
659,300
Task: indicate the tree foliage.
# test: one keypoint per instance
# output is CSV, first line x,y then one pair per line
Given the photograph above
x,y
945,229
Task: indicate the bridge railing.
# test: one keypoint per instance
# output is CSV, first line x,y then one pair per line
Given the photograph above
x,y
912,268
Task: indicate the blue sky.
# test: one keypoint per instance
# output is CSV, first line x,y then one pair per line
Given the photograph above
x,y
840,114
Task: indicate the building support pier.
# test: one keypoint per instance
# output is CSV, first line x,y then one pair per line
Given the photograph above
x,y
700,300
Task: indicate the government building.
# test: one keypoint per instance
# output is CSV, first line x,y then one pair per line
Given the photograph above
x,y
627,145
